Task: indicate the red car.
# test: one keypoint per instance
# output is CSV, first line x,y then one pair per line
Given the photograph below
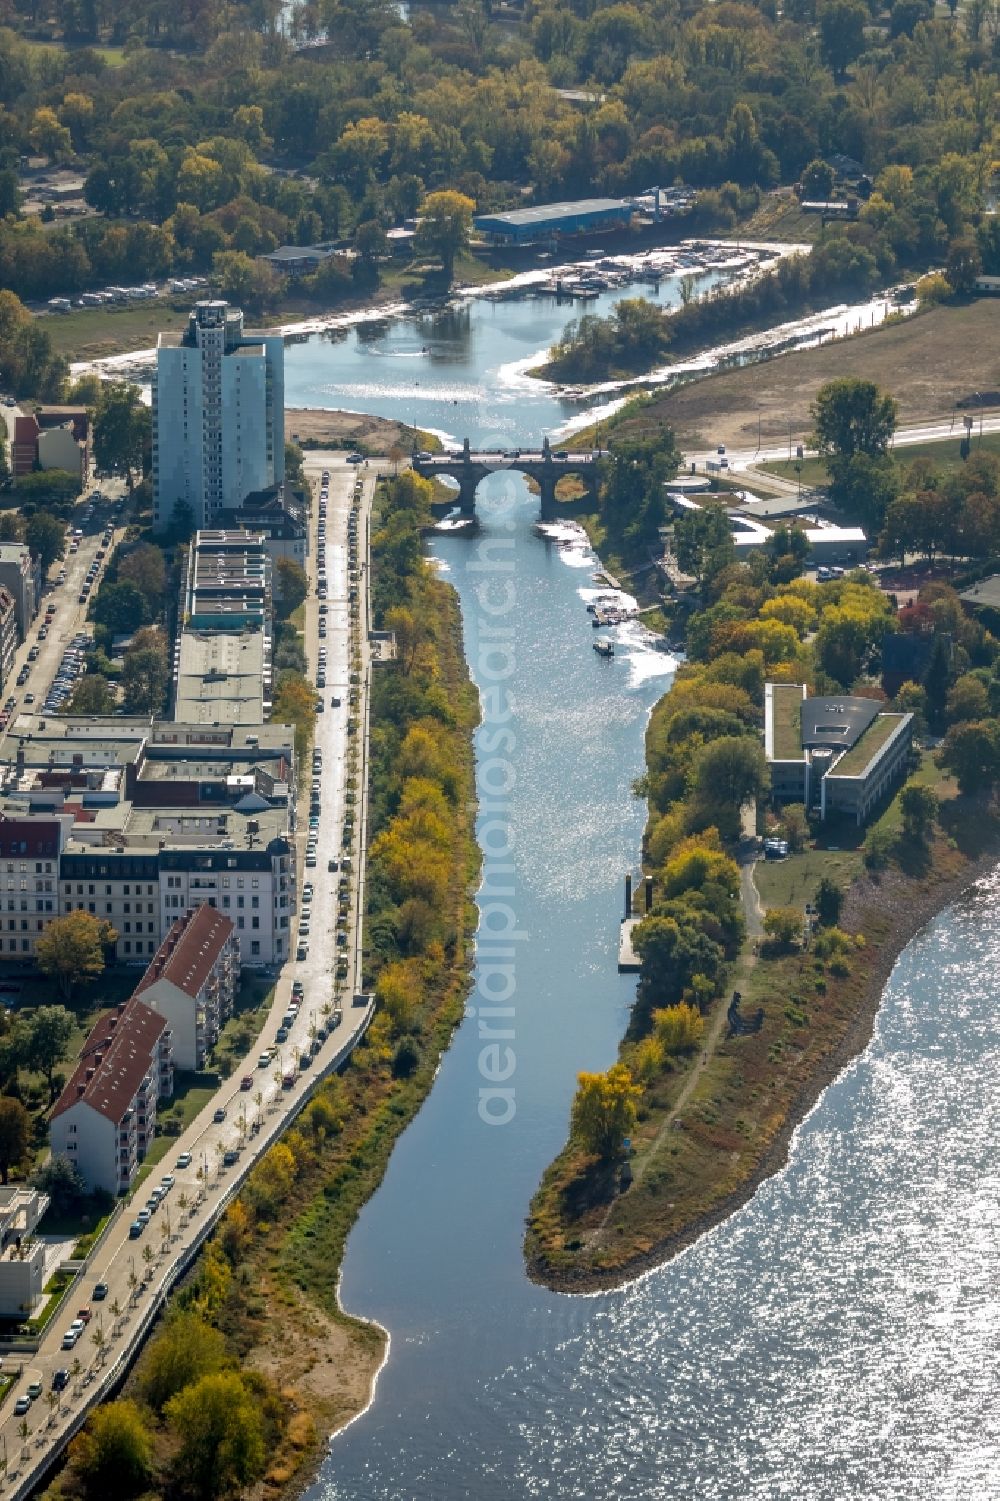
x,y
247,1081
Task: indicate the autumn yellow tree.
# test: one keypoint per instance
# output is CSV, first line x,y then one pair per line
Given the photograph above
x,y
678,1029
72,949
604,1110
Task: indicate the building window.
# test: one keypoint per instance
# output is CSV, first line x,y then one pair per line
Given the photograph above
x,y
255,947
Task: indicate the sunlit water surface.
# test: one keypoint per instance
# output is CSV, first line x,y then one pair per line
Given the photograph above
x,y
835,1340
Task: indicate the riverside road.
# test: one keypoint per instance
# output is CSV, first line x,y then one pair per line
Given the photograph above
x,y
140,1273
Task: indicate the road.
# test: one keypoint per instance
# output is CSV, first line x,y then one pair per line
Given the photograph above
x,y
939,430
70,616
139,1273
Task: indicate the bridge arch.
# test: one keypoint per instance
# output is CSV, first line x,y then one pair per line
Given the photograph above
x,y
469,467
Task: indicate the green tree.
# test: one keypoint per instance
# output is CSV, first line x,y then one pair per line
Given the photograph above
x,y
113,1456
49,1029
122,607
730,772
292,585
71,949
92,695
919,807
829,900
145,676
852,416
15,1134
146,568
46,536
183,1351
604,1110
703,542
218,1426
971,752
964,264
967,699
841,33
52,490
817,181
122,430
444,228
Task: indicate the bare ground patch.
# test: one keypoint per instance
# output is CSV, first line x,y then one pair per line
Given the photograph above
x,y
928,361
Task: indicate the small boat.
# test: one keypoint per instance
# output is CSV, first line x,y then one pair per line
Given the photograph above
x,y
604,647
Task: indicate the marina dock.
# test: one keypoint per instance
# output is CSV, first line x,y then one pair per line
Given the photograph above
x,y
628,959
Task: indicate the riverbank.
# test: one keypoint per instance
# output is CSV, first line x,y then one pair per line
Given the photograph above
x,y
734,1141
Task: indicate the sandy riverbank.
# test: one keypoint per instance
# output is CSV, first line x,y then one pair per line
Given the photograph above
x,y
898,908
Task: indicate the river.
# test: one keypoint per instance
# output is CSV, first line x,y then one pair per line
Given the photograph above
x,y
834,1340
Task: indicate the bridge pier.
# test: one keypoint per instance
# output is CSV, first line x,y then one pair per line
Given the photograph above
x,y
467,482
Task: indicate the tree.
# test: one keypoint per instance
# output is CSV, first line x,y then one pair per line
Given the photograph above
x,y
444,228
113,1456
46,536
218,1425
146,568
971,752
795,826
604,1110
185,1349
295,704
61,1181
703,541
122,429
53,490
15,1134
678,1029
49,1029
964,263
842,33
853,416
829,900
293,585
92,695
730,772
919,807
783,928
145,675
71,948
121,607
817,181
968,699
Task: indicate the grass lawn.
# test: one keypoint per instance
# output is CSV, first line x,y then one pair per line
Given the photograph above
x,y
793,882
944,454
55,1290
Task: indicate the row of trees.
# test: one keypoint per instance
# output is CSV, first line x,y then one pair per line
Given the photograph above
x,y
176,144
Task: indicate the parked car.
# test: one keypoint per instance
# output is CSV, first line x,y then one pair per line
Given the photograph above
x,y
219,1115
184,1160
100,1292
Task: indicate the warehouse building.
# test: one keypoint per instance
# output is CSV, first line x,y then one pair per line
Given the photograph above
x,y
834,755
554,221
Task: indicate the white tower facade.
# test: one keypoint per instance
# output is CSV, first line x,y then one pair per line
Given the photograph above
x,y
218,415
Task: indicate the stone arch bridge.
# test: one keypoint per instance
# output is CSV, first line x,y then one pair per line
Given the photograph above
x,y
546,468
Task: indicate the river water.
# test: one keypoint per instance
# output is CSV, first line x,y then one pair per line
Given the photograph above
x,y
836,1339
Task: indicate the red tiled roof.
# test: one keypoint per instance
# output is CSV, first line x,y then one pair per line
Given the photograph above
x,y
114,1061
190,949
